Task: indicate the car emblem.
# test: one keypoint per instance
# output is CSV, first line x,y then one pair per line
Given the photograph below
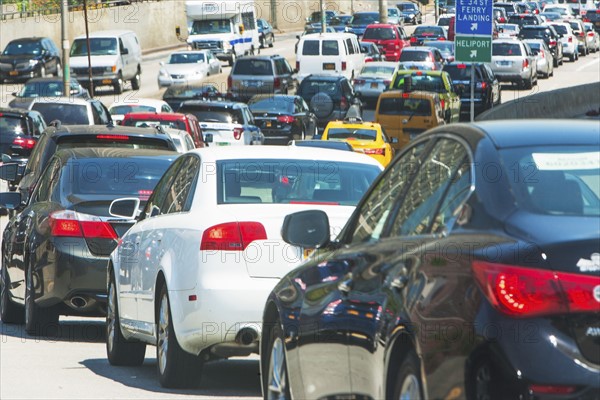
x,y
266,114
597,293
591,265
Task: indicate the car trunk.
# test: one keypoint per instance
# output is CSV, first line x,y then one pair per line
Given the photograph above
x,y
247,86
222,133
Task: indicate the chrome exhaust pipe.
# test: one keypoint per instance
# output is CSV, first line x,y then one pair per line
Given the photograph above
x,y
78,302
246,336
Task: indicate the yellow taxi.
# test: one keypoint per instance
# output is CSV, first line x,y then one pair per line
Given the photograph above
x,y
364,137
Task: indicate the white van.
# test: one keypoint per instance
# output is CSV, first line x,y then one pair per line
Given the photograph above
x,y
329,53
116,57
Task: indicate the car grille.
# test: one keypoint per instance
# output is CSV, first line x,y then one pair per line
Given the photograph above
x,y
84,71
208,45
177,76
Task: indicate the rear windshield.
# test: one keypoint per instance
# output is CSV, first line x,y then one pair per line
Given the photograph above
x,y
285,104
561,29
379,34
554,181
506,49
415,56
68,114
107,140
426,83
12,125
522,20
444,21
535,33
214,114
535,47
365,19
461,72
400,106
253,67
294,181
429,31
309,88
444,46
82,179
377,70
352,133
122,110
150,123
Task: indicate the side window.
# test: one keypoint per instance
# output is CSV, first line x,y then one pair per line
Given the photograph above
x,y
403,34
121,46
35,158
96,114
350,46
178,197
279,67
375,211
427,190
248,116
287,67
457,193
46,184
156,204
99,112
166,109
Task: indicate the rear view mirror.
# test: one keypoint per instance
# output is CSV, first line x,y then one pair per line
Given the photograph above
x,y
124,208
9,172
307,229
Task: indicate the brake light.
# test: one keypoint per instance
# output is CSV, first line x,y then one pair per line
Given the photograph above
x,y
144,194
591,34
441,38
232,236
368,59
286,119
413,39
541,54
229,82
580,34
553,43
343,103
461,66
570,39
276,83
527,292
343,65
551,389
112,137
73,224
24,143
483,85
359,81
502,20
379,152
525,63
405,95
237,133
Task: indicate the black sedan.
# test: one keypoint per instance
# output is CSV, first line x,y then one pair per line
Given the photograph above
x,y
424,32
50,87
282,118
55,252
470,269
31,57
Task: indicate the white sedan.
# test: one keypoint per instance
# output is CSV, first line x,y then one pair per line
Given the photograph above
x,y
119,108
191,277
187,67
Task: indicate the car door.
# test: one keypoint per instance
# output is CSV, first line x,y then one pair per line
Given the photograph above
x,y
164,247
491,80
453,98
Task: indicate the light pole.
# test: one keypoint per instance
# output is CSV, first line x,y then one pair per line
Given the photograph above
x,y
383,11
64,12
322,4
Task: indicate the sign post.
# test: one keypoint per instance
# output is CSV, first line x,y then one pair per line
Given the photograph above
x,y
473,36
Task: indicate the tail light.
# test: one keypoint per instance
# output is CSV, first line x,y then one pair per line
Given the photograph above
x,y
591,34
297,65
112,137
570,39
441,38
276,83
229,82
482,85
461,66
413,39
73,224
232,236
359,81
551,389
379,152
526,292
368,59
286,119
343,65
443,102
24,143
343,103
525,63
502,20
541,54
237,133
553,43
580,34
387,82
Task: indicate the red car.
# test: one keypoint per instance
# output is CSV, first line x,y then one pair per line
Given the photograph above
x,y
185,122
390,39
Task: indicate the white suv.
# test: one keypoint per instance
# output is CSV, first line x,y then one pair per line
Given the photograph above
x,y
569,40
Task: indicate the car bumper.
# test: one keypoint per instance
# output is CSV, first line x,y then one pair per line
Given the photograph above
x,y
569,48
18,74
165,81
104,80
513,76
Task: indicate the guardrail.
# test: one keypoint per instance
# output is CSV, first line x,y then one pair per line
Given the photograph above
x,y
17,13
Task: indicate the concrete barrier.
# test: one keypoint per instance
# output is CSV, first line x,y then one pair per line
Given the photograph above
x,y
560,103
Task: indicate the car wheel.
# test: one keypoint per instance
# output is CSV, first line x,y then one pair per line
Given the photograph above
x,y
59,72
572,58
261,43
136,81
119,350
232,59
408,381
38,321
276,382
118,85
483,382
555,62
10,313
176,368
42,72
272,41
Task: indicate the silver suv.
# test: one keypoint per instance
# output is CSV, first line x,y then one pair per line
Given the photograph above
x,y
260,75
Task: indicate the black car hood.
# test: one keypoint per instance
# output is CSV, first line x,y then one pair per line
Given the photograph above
x,y
9,59
567,243
21,102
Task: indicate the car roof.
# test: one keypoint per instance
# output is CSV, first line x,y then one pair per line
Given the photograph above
x,y
141,101
61,100
366,12
284,153
413,94
69,130
366,124
380,25
332,78
328,35
29,39
14,111
108,33
156,116
382,64
81,153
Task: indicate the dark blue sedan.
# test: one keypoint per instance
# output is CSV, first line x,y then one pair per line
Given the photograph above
x,y
470,269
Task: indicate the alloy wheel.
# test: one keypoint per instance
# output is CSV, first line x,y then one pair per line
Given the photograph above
x,y
163,333
410,388
110,318
277,385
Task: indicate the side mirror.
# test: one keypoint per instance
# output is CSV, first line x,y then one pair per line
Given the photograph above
x,y
394,140
124,51
6,158
9,172
14,94
10,200
298,37
162,63
208,138
127,207
307,229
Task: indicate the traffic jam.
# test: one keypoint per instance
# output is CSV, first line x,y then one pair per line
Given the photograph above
x,y
413,254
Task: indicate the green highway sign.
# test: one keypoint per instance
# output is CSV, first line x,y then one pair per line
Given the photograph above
x,y
473,48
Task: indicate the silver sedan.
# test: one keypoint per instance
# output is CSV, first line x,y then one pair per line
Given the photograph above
x,y
545,61
186,67
373,79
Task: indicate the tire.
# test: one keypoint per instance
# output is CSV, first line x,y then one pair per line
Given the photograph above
x,y
275,381
38,321
555,62
10,313
119,350
136,81
232,59
272,43
572,58
59,72
176,368
562,60
408,381
42,72
261,42
118,86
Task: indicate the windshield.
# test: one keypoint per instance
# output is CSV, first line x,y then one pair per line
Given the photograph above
x,y
45,89
205,26
293,181
67,114
22,48
98,46
365,19
186,58
393,12
506,49
377,70
415,56
555,181
351,133
379,34
270,104
407,7
253,67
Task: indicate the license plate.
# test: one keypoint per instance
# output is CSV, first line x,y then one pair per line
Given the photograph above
x,y
374,85
307,253
107,81
13,73
222,143
504,63
268,124
328,66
